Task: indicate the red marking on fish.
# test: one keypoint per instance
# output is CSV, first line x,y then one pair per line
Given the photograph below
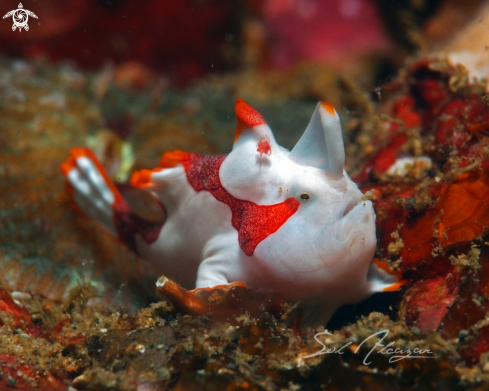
x,y
253,222
128,224
247,117
264,146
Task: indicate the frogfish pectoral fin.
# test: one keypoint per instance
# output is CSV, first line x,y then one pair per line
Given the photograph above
x,y
222,302
93,193
382,279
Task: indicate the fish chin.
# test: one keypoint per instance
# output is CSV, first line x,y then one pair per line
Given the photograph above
x,y
348,214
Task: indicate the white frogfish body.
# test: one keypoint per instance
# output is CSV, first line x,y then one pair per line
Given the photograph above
x,y
291,221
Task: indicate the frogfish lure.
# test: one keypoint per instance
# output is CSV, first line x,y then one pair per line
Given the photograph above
x,y
290,221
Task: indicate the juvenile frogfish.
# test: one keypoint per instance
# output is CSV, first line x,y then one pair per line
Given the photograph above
x,y
290,221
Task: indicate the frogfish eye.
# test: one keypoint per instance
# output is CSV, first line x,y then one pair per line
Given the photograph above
x,y
305,197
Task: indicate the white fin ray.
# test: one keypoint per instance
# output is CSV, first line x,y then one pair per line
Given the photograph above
x,y
321,145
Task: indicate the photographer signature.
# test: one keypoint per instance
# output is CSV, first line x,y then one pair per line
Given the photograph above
x,y
396,354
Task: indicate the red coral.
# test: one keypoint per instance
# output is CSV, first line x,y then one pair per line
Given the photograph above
x,y
8,305
436,218
55,333
459,216
477,343
459,119
427,301
18,375
403,109
23,321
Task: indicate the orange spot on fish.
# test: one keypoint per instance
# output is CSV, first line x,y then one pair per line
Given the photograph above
x,y
247,117
141,178
395,287
222,286
171,159
328,107
384,267
264,146
68,165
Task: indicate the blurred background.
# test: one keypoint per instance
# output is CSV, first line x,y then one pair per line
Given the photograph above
x,y
189,39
